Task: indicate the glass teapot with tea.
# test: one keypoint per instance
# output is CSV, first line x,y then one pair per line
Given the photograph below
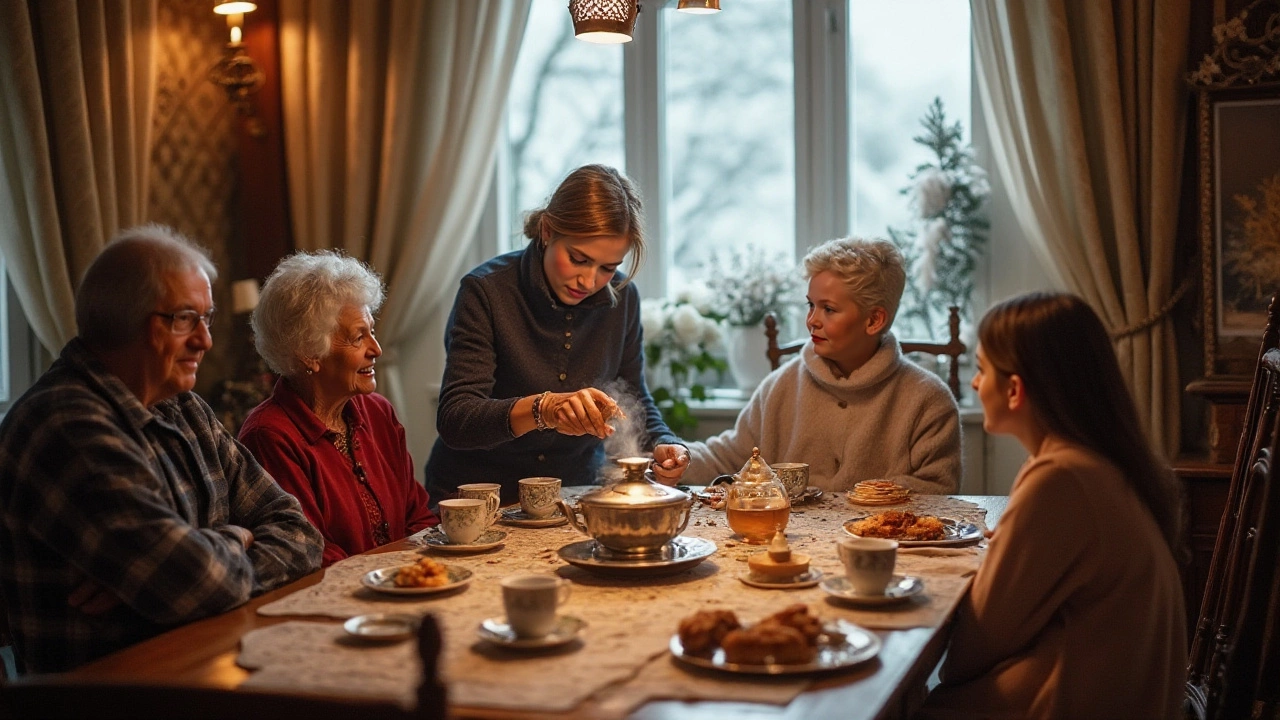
x,y
756,503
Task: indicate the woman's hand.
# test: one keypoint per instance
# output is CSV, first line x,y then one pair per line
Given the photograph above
x,y
669,463
585,412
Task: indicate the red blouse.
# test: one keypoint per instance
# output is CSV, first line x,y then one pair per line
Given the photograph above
x,y
296,448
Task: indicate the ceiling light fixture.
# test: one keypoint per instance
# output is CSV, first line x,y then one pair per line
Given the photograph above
x,y
603,21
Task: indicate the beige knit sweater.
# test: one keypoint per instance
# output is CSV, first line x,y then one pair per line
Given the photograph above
x,y
1077,609
890,419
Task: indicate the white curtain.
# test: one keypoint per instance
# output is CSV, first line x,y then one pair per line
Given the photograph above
x,y
78,80
1085,104
392,111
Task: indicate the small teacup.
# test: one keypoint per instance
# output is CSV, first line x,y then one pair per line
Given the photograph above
x,y
530,602
794,477
463,519
491,493
539,495
868,563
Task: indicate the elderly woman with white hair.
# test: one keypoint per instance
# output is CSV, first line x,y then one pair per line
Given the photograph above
x,y
324,434
851,406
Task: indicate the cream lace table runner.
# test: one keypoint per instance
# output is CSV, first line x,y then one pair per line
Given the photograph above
x,y
621,657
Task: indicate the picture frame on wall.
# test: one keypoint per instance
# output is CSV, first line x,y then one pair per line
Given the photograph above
x,y
1238,113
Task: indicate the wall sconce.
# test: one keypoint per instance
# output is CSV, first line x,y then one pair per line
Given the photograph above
x,y
236,72
603,21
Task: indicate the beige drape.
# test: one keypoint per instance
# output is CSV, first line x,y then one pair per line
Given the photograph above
x,y
1085,106
391,116
78,80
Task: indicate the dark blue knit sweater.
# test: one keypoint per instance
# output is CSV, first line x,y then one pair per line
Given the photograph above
x,y
509,337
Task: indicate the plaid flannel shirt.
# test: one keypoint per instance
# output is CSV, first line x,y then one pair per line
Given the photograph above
x,y
152,504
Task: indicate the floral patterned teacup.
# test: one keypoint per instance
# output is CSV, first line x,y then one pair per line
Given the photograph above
x,y
463,519
794,477
491,493
538,496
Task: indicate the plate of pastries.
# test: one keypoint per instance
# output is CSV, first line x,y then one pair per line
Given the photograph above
x,y
878,492
790,641
423,577
912,530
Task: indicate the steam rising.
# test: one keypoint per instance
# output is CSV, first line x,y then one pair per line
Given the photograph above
x,y
630,433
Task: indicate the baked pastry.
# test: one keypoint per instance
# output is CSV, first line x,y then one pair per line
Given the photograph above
x,y
765,644
878,492
778,563
702,631
424,573
797,617
899,525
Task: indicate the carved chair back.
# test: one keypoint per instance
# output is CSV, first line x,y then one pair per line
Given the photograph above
x,y
1233,670
952,349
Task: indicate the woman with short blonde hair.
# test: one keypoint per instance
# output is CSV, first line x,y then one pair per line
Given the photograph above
x,y
851,406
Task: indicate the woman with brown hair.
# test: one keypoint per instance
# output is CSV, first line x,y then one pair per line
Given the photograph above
x,y
1077,609
533,336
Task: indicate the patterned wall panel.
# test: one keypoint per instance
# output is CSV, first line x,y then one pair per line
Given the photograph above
x,y
193,160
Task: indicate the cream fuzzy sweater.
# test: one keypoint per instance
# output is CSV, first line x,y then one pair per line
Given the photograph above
x,y
890,419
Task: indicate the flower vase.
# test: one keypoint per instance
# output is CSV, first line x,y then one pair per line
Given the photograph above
x,y
746,348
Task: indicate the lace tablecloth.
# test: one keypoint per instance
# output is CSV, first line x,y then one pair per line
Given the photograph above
x,y
621,656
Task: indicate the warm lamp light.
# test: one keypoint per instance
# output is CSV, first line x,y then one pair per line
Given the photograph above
x,y
244,296
603,21
236,72
234,8
699,7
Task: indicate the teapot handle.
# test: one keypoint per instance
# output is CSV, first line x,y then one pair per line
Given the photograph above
x,y
572,516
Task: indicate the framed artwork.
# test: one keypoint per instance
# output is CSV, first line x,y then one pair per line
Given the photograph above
x,y
1238,118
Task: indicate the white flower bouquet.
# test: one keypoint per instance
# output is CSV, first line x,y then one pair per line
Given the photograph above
x,y
749,284
680,335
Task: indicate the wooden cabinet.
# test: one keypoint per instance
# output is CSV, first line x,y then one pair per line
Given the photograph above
x,y
1205,485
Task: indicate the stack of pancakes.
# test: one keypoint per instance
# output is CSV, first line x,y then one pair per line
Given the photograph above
x,y
878,492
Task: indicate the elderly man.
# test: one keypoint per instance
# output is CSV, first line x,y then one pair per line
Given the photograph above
x,y
125,507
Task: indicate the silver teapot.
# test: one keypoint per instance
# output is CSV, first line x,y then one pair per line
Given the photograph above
x,y
633,516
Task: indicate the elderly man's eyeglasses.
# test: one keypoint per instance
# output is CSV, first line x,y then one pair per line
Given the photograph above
x,y
185,321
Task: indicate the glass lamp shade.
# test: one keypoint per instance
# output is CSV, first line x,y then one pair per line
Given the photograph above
x,y
233,8
603,21
699,7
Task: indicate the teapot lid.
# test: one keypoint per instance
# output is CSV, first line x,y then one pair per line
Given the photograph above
x,y
755,470
634,489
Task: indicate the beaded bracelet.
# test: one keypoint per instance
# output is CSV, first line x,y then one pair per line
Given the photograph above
x,y
537,412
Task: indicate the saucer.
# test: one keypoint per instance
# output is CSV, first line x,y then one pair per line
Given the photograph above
x,y
900,588
517,517
498,632
676,556
437,540
804,580
382,627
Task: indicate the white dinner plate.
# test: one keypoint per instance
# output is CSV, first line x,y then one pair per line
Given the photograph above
x,y
954,532
384,581
900,588
844,645
498,632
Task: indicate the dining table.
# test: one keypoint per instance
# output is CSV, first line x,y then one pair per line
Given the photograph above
x,y
620,665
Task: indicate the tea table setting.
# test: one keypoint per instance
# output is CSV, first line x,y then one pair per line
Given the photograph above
x,y
543,610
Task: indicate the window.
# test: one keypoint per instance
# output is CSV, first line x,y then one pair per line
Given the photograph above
x,y
777,122
20,355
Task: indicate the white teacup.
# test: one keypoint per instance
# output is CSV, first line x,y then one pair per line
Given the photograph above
x,y
794,477
868,563
491,493
530,601
539,496
463,519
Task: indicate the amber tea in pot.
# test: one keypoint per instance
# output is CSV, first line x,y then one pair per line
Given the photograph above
x,y
756,503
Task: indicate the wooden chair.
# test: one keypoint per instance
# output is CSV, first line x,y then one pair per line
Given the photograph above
x,y
54,696
1233,669
953,348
